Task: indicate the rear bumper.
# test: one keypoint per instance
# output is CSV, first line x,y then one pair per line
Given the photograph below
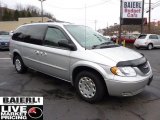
x,y
127,86
140,45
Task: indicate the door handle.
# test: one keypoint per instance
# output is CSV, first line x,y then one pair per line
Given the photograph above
x,y
44,53
41,53
37,52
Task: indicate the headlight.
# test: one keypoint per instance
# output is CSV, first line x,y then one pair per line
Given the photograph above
x,y
123,71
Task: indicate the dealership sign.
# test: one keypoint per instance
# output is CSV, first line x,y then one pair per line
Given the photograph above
x,y
132,9
21,108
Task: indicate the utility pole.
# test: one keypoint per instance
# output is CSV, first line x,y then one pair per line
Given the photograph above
x,y
149,24
120,24
0,11
42,8
142,17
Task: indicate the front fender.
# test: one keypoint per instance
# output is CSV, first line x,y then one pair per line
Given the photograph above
x,y
95,66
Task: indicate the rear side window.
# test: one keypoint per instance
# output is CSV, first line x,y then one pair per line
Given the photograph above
x,y
142,37
33,34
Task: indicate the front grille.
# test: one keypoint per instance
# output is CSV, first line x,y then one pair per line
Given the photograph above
x,y
144,68
2,43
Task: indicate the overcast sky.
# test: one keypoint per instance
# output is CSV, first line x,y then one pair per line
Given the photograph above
x,y
105,12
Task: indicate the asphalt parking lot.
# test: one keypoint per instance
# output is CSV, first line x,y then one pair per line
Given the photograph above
x,y
62,103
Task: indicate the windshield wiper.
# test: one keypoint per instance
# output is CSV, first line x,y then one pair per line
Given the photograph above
x,y
104,45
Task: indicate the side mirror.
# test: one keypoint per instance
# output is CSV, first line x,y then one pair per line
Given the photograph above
x,y
66,44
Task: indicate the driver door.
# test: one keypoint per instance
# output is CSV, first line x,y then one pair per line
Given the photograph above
x,y
55,60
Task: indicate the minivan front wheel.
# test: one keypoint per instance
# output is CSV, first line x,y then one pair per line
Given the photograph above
x,y
19,65
89,86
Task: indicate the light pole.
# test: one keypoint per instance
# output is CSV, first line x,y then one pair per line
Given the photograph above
x,y
95,25
120,23
42,8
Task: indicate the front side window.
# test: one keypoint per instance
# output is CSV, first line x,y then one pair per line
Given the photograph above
x,y
85,36
153,37
53,36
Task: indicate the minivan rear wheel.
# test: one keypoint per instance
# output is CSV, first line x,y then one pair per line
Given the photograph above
x,y
150,46
19,65
89,86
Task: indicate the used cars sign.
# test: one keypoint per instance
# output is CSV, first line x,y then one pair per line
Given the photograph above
x,y
132,9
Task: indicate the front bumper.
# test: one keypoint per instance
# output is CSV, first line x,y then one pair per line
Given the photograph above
x,y
4,46
128,86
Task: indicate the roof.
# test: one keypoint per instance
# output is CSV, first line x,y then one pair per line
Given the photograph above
x,y
50,23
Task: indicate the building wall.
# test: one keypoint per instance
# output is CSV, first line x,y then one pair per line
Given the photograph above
x,y
12,25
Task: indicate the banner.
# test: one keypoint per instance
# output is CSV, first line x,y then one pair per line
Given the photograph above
x,y
21,108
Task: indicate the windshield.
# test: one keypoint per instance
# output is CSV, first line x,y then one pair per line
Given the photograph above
x,y
92,37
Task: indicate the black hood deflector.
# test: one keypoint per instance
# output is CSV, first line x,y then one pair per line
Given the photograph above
x,y
132,63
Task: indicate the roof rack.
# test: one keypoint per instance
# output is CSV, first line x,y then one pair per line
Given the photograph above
x,y
58,21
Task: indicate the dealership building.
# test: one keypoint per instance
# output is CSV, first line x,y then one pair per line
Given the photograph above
x,y
12,25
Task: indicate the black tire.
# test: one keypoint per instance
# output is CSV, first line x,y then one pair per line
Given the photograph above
x,y
98,82
150,46
137,47
22,68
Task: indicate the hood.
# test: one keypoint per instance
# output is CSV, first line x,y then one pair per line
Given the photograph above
x,y
4,38
118,53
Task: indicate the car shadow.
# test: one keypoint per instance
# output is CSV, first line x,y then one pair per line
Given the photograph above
x,y
59,89
4,50
64,90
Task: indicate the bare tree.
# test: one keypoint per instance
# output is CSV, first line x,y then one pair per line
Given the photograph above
x,y
19,7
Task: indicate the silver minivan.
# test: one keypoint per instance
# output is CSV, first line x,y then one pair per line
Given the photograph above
x,y
81,56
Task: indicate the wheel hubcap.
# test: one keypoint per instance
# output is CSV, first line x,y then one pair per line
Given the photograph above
x,y
18,64
150,47
87,87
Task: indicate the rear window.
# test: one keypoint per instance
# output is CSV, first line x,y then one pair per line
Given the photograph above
x,y
142,37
